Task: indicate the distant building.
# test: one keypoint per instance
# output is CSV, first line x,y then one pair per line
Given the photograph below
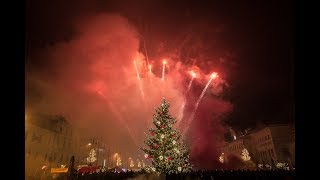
x,y
49,143
267,145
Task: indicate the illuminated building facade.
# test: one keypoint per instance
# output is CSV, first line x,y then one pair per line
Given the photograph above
x,y
267,145
49,143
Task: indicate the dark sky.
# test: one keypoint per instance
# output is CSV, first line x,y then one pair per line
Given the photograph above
x,y
256,38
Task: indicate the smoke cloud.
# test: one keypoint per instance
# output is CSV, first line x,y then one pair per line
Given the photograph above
x,y
92,80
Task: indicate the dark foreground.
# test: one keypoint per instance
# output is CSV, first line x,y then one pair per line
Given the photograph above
x,y
212,175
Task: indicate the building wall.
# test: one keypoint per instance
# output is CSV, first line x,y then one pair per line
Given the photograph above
x,y
269,145
262,141
47,147
234,148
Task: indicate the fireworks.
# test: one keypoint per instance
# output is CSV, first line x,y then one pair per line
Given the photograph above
x,y
164,62
214,75
180,115
150,69
136,68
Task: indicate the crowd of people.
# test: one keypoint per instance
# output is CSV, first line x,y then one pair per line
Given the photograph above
x,y
216,174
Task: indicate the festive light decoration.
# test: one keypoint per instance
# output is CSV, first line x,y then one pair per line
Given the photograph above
x,y
221,158
92,156
131,164
245,155
283,166
119,163
166,150
268,166
146,155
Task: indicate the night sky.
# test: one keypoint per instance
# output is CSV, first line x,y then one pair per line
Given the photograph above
x,y
250,42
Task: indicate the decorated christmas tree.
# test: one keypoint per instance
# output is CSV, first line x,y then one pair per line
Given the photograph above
x,y
166,152
92,156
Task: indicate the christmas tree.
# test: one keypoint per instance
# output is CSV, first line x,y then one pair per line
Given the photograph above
x,y
166,152
92,156
245,155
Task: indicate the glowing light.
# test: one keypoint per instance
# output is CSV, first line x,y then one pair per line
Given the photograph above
x,y
221,158
193,74
282,166
89,144
138,76
131,164
234,137
136,68
214,75
43,167
119,163
150,72
245,155
163,69
92,156
115,155
181,110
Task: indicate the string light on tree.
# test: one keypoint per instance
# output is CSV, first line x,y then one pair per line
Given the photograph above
x,y
168,154
221,158
131,164
119,163
92,156
245,155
